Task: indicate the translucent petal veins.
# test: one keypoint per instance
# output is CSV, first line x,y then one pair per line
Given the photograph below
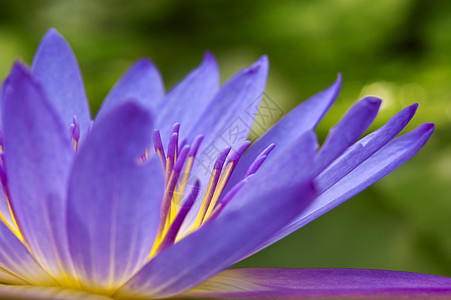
x,y
177,165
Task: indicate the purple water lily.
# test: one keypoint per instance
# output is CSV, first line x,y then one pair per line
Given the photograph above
x,y
129,206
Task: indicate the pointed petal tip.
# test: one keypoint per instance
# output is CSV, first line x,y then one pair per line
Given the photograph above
x,y
144,62
209,57
412,108
373,100
339,80
51,32
52,35
261,64
19,71
209,62
428,126
19,68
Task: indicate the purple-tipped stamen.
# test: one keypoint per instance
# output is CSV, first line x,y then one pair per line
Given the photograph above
x,y
259,160
173,230
211,188
196,144
159,149
236,155
236,188
75,132
170,187
176,129
172,153
255,165
174,163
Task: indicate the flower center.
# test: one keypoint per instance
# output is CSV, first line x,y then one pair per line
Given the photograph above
x,y
177,167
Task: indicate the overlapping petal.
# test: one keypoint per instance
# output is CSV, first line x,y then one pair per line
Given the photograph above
x,y
219,124
347,131
301,119
17,260
91,222
257,211
56,67
38,156
189,99
384,161
141,83
114,199
363,149
234,97
321,284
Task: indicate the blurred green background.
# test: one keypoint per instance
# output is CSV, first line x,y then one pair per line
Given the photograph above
x,y
398,50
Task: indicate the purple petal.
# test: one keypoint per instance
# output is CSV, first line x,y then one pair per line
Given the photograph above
x,y
4,208
259,209
387,159
321,283
15,258
304,117
222,122
363,149
57,69
38,157
141,83
229,104
14,292
2,91
188,100
347,131
114,200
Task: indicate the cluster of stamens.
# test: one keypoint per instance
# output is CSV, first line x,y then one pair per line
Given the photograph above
x,y
177,165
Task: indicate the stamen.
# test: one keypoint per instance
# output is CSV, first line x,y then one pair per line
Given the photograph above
x,y
172,213
229,196
171,235
171,156
183,143
211,186
169,191
189,165
225,176
159,150
259,160
75,132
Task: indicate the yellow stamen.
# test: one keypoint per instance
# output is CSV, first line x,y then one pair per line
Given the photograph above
x,y
177,197
75,145
205,201
222,181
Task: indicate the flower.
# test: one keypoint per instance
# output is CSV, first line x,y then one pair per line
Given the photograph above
x,y
89,210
